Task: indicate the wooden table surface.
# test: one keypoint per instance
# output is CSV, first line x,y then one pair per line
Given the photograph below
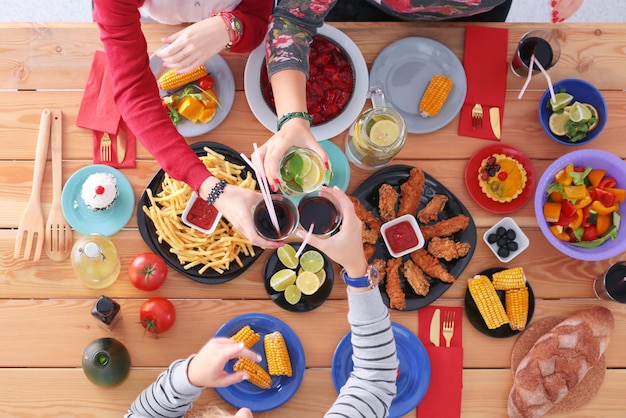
x,y
45,309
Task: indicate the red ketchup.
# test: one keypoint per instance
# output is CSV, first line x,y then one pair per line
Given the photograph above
x,y
201,214
401,236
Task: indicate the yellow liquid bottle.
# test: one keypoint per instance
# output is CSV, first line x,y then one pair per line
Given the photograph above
x,y
95,261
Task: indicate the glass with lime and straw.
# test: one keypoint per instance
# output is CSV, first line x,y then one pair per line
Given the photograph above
x,y
302,171
376,136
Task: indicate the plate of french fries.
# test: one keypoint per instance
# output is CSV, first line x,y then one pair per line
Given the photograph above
x,y
499,301
211,259
277,377
417,279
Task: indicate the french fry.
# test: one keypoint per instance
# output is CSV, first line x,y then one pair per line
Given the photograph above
x,y
192,247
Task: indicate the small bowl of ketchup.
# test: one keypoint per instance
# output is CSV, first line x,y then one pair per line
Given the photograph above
x,y
402,235
199,215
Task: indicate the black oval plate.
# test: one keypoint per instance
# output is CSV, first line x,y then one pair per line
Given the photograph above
x,y
395,175
148,230
307,302
473,314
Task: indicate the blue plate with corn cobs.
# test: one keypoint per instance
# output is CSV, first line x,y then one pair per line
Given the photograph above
x,y
246,394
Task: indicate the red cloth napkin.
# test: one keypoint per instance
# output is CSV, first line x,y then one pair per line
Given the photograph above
x,y
443,398
99,113
486,65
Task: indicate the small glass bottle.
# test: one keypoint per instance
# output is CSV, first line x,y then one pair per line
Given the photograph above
x,y
95,261
106,312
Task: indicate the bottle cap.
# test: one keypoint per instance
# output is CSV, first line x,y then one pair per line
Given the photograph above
x,y
104,305
92,250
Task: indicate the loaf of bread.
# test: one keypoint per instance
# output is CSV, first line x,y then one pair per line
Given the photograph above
x,y
558,361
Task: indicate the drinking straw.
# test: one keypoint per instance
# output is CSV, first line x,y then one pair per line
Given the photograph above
x,y
306,239
528,77
265,192
548,79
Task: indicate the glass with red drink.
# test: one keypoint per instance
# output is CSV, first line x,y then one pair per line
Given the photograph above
x,y
612,284
286,214
543,44
322,209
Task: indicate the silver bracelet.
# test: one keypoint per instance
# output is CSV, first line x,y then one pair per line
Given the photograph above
x,y
216,192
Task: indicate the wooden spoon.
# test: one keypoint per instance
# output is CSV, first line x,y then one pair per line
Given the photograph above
x,y
58,235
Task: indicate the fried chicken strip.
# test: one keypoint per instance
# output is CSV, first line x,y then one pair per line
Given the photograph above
x,y
433,208
447,248
369,236
368,250
392,285
365,215
431,266
411,192
415,276
445,228
387,199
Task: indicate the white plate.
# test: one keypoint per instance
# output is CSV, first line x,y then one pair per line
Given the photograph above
x,y
330,129
403,70
224,87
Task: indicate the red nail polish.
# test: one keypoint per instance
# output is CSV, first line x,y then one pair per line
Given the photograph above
x,y
554,13
326,165
553,3
277,181
561,20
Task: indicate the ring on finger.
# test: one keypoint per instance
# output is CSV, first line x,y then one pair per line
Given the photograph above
x,y
182,53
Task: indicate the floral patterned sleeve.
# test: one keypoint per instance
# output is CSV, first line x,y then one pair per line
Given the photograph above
x,y
293,24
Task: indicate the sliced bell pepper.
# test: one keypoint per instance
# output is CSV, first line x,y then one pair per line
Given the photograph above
x,y
559,232
590,233
563,177
620,194
556,197
595,176
603,224
567,208
603,210
606,198
578,219
583,202
607,182
575,192
551,211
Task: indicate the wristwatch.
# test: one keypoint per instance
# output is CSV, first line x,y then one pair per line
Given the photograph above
x,y
370,280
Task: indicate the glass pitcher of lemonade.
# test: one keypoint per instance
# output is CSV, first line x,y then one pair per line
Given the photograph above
x,y
377,135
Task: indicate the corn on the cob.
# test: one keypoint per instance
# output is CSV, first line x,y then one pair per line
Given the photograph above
x,y
512,278
435,95
278,361
170,80
256,374
516,301
487,301
247,336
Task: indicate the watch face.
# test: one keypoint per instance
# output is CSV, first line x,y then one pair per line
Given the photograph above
x,y
236,25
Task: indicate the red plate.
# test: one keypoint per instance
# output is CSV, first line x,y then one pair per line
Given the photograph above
x,y
474,189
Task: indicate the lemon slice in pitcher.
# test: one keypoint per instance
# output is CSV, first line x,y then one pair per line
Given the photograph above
x,y
384,132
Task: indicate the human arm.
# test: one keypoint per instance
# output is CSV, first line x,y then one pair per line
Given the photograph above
x,y
192,40
173,392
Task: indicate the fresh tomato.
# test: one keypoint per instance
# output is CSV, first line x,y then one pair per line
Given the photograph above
x,y
206,82
147,271
157,315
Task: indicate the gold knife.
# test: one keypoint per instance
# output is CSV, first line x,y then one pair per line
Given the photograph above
x,y
121,144
494,118
435,327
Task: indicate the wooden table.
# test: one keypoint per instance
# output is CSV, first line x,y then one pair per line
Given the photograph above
x,y
46,323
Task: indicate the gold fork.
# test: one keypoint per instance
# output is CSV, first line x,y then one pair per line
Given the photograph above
x,y
105,147
448,326
477,116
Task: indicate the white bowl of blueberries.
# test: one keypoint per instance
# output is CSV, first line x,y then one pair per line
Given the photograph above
x,y
506,239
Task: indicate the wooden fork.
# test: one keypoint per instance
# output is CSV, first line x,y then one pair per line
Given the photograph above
x,y
31,227
448,326
105,147
477,116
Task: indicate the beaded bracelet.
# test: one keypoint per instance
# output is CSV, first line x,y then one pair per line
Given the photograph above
x,y
288,116
233,27
216,192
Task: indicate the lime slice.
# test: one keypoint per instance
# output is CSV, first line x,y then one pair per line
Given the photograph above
x,y
561,100
292,294
307,282
287,256
557,123
282,279
384,132
312,261
579,112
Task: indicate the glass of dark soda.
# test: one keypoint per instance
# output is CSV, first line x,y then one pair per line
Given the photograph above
x,y
543,45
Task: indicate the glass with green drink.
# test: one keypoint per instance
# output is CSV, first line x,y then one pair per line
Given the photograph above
x,y
302,171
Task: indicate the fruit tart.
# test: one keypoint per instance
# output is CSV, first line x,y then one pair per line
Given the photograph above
x,y
501,178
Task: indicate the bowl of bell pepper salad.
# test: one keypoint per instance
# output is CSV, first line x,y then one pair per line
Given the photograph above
x,y
578,204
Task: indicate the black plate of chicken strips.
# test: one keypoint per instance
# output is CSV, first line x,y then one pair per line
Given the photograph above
x,y
453,211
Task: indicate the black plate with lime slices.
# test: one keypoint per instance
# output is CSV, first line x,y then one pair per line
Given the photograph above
x,y
307,302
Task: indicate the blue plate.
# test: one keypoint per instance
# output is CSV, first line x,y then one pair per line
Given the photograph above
x,y
414,369
247,395
85,220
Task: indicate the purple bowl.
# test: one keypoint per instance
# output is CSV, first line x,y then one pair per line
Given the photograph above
x,y
597,159
583,92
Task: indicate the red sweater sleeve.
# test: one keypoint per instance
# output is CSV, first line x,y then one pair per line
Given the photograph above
x,y
254,16
136,93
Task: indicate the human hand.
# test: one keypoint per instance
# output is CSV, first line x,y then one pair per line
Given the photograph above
x,y
564,9
345,247
294,133
207,367
194,45
235,204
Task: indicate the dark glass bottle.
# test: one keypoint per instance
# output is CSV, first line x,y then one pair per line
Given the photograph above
x,y
106,362
106,312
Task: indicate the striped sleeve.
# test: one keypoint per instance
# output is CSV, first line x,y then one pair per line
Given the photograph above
x,y
371,386
171,394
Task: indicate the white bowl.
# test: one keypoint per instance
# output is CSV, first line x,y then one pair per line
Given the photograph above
x,y
188,222
410,219
520,238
